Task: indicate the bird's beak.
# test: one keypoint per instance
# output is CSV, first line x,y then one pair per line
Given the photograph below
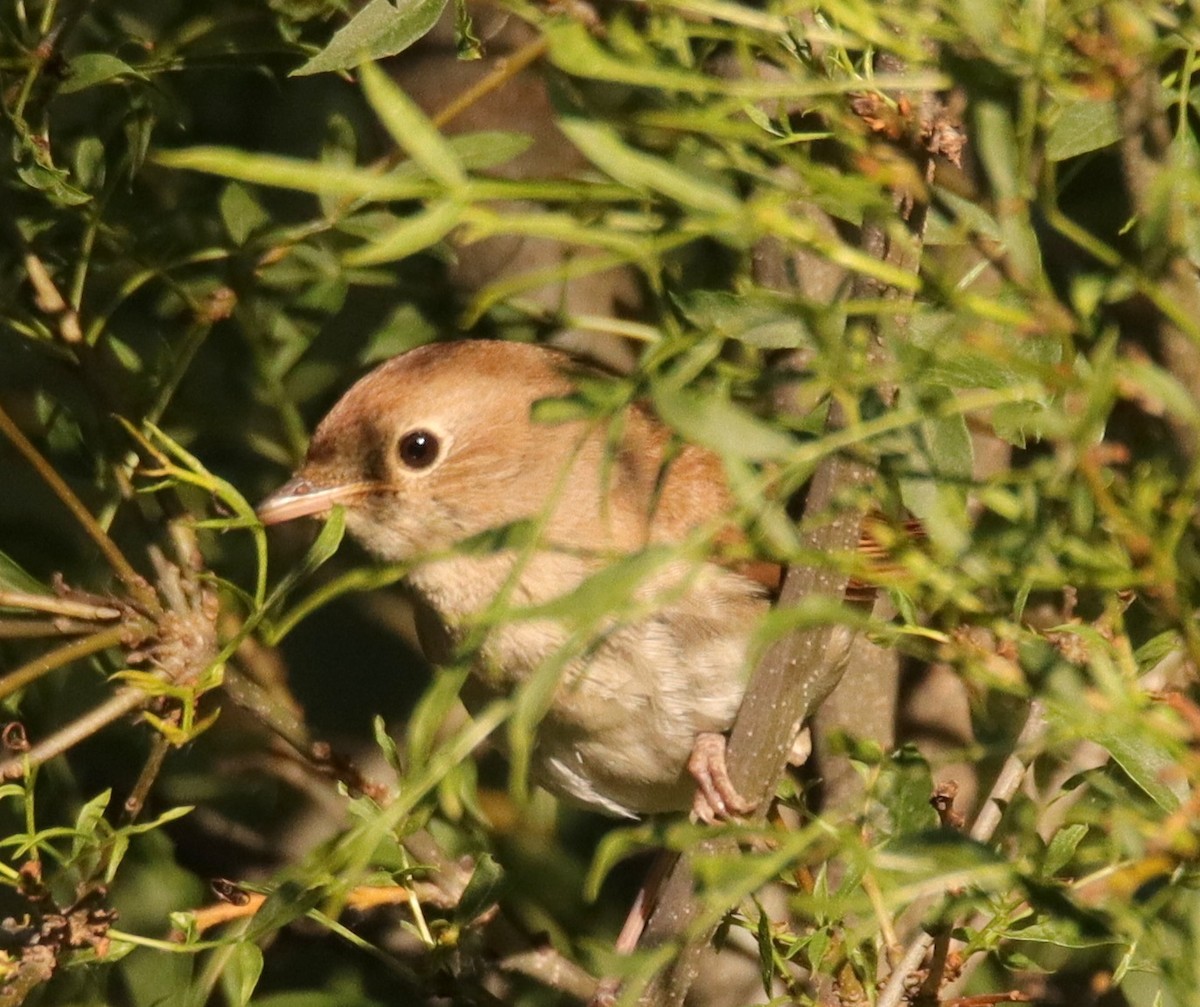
x,y
301,497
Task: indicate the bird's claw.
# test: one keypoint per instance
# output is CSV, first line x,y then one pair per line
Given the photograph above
x,y
717,799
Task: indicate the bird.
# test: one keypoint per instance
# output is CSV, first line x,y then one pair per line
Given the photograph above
x,y
438,447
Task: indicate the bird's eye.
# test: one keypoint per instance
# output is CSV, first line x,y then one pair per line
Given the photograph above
x,y
418,449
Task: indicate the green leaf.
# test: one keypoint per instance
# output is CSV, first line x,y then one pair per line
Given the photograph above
x,y
1151,765
1059,921
91,68
937,475
488,148
719,425
415,234
904,788
603,146
615,846
404,328
410,129
767,323
1062,848
482,890
1083,127
380,29
241,213
386,744
242,971
318,177
90,816
766,949
14,578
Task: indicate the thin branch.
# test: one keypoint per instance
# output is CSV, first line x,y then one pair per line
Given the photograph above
x,y
145,781
1028,746
26,629
135,583
60,656
58,606
552,970
505,69
123,702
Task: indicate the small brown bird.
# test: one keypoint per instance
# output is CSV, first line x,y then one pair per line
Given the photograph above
x,y
437,446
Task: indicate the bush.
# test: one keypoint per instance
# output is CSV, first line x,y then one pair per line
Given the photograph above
x,y
935,264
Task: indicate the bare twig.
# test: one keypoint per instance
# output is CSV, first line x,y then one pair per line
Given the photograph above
x,y
59,656
1028,746
136,800
504,71
26,629
1150,161
58,606
552,970
117,706
134,582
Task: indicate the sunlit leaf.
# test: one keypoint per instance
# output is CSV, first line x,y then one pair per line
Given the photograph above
x,y
381,28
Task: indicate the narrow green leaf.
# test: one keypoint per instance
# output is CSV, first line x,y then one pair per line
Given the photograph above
x,y
412,131
412,235
382,28
482,890
13,578
488,148
86,822
1152,766
719,425
1062,848
603,146
768,323
321,178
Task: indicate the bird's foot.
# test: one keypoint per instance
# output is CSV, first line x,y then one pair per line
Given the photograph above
x,y
717,799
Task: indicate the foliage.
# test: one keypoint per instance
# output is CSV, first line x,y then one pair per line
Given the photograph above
x,y
216,213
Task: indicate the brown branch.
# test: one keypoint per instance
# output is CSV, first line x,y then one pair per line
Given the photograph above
x,y
799,670
792,678
1146,152
504,71
552,970
56,658
58,606
134,582
123,702
1028,746
26,629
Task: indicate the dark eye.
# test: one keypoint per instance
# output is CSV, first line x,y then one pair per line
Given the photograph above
x,y
418,449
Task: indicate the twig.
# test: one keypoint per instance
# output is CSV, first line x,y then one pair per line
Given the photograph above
x,y
123,702
136,800
241,904
1012,773
1027,748
504,70
24,629
58,606
552,970
134,582
792,678
48,300
56,658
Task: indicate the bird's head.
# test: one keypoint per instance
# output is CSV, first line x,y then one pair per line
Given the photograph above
x,y
438,445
